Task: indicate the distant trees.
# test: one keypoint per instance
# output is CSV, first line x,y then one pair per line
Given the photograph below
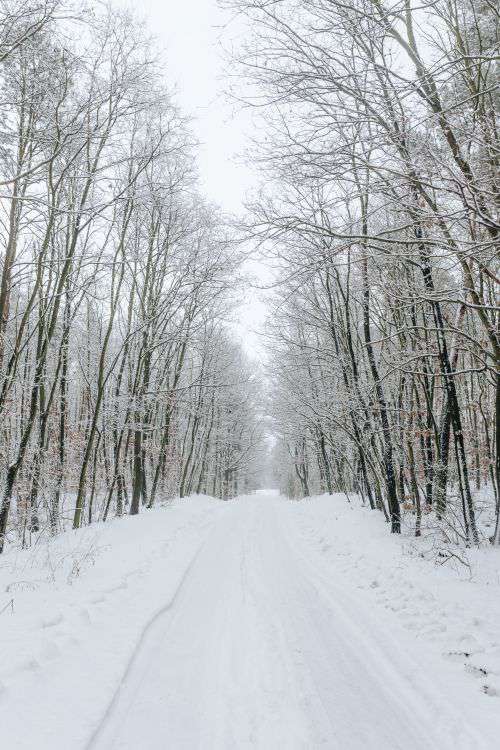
x,y
381,157
118,380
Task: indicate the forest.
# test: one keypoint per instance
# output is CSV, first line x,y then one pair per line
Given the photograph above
x,y
121,378
380,217
249,375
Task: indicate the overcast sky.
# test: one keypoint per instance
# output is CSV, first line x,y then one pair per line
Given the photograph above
x,y
191,34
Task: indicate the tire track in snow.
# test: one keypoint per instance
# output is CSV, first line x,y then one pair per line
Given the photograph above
x,y
260,647
146,633
389,657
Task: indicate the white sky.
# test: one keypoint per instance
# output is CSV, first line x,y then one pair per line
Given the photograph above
x,y
191,33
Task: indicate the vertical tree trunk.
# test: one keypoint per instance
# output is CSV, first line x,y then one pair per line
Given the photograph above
x,y
390,476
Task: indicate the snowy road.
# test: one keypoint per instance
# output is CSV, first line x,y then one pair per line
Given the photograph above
x,y
259,648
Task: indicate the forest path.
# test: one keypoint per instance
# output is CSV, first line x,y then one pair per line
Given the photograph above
x,y
261,647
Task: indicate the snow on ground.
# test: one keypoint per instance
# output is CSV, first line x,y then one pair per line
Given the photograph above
x,y
257,623
443,594
73,611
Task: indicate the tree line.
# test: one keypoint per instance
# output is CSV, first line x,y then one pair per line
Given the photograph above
x,y
380,216
120,381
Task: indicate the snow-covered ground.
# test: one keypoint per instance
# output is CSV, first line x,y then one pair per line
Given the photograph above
x,y
255,623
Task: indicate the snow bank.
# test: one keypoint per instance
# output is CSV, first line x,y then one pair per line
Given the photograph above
x,y
448,599
63,647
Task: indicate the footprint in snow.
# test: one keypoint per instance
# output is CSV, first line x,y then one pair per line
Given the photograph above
x,y
490,690
52,622
70,640
84,615
410,625
29,665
